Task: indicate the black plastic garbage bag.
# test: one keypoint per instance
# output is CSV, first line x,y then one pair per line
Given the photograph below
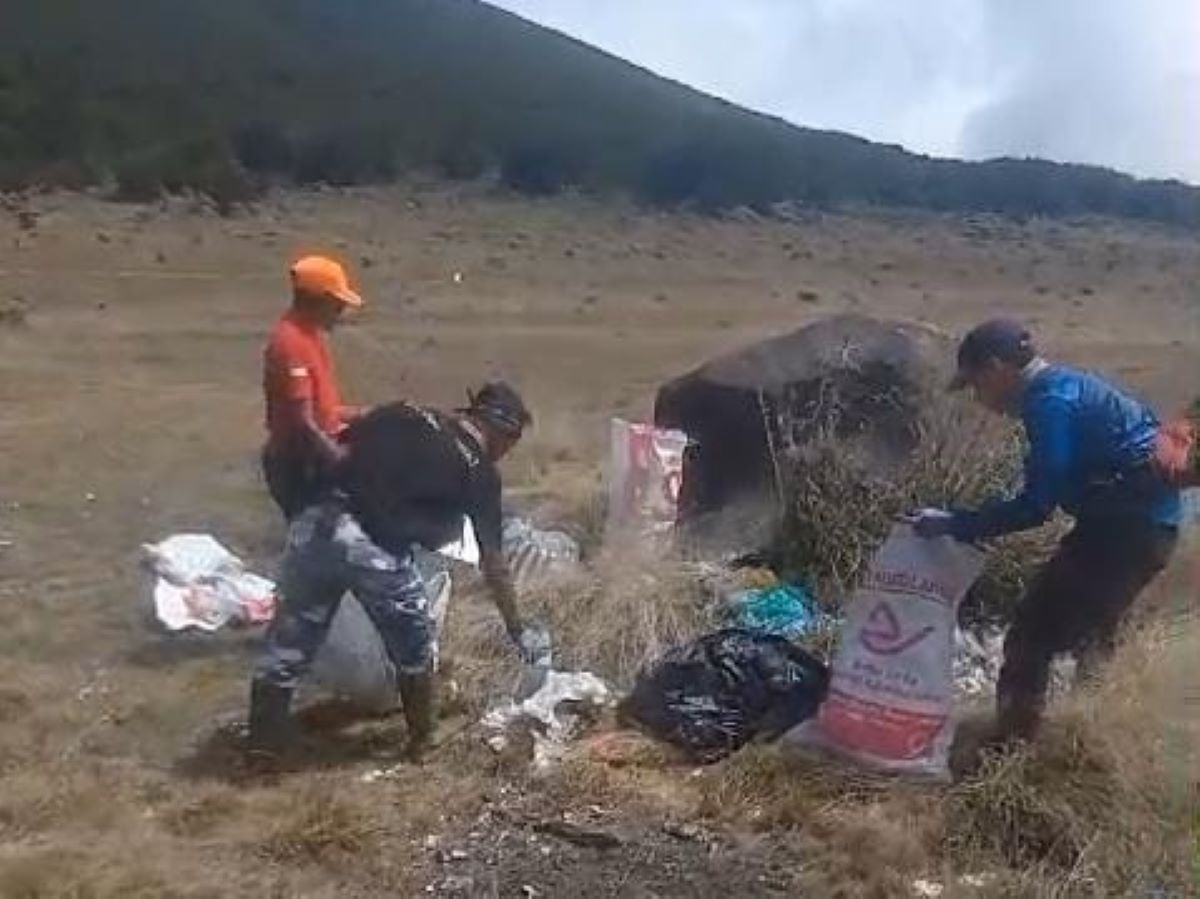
x,y
716,694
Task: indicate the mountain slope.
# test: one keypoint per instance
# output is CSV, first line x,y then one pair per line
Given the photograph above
x,y
169,93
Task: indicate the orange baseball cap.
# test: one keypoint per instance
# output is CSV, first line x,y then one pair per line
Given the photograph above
x,y
322,276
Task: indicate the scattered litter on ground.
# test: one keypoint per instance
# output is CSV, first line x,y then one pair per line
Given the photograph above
x,y
536,555
644,479
716,694
200,584
376,775
553,713
787,610
891,696
931,889
977,881
977,658
754,598
353,663
978,655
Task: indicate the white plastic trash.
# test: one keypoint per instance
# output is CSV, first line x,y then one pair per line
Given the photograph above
x,y
199,584
551,725
353,663
534,555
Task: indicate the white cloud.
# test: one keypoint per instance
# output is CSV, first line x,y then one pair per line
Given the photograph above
x,y
1113,82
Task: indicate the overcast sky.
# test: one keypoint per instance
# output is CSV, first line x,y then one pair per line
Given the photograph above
x,y
1113,82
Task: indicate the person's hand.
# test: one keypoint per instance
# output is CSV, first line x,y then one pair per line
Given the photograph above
x,y
350,414
532,644
338,454
930,523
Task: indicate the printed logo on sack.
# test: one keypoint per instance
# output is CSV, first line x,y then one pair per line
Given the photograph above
x,y
883,635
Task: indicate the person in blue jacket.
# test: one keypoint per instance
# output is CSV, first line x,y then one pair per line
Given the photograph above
x,y
1090,454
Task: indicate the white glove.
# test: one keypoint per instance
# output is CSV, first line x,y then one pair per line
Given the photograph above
x,y
533,645
930,523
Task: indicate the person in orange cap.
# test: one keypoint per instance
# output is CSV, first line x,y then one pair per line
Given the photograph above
x,y
304,412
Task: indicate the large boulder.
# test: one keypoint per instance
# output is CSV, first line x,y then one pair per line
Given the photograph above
x,y
861,380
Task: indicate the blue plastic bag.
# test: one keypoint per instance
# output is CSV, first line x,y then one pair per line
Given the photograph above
x,y
786,610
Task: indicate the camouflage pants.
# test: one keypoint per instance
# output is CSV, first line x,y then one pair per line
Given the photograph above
x,y
327,555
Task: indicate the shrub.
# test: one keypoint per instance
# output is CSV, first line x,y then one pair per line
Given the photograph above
x,y
838,508
205,165
345,159
461,161
263,148
539,170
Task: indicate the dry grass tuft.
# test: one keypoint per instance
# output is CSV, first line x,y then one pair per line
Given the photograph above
x,y
869,836
1039,805
1105,800
320,826
200,815
772,788
612,619
37,800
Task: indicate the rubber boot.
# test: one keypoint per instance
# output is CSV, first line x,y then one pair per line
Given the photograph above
x,y
270,720
416,695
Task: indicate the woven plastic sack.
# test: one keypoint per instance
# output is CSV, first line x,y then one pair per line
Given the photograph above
x,y
644,478
891,695
353,664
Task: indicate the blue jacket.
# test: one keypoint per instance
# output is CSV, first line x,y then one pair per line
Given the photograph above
x,y
1089,452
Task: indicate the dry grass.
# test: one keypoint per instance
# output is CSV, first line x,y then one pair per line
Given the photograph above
x,y
838,511
318,825
1105,802
59,873
133,381
1103,805
612,618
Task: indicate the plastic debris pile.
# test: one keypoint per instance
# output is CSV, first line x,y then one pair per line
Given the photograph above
x,y
553,714
201,585
714,695
534,555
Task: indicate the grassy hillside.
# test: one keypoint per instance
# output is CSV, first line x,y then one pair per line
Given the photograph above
x,y
224,95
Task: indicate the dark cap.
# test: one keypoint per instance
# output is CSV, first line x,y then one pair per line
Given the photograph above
x,y
500,406
1001,339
